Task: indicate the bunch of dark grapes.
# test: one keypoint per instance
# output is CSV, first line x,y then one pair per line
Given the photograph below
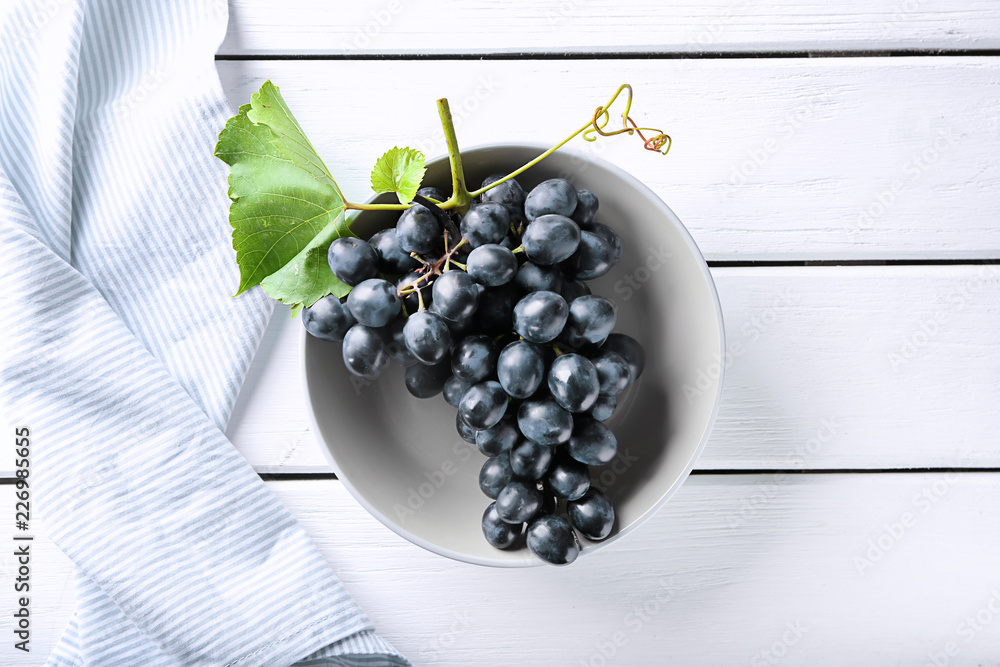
x,y
492,309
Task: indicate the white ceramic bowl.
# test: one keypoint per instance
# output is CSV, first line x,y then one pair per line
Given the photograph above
x,y
402,458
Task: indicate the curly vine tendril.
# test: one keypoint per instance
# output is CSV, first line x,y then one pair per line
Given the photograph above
x,y
658,143
602,117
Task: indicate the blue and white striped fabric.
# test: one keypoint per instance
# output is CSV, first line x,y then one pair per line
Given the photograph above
x,y
123,351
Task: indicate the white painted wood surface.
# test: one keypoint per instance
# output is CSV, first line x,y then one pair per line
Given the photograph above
x,y
831,158
840,368
589,26
872,570
829,367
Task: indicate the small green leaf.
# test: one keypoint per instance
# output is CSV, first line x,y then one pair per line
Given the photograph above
x,y
400,170
286,209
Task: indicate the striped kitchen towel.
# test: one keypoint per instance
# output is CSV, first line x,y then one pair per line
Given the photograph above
x,y
123,352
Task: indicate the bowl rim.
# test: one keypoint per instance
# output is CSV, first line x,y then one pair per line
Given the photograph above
x,y
588,547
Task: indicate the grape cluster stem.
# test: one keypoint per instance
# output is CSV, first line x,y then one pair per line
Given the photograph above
x,y
435,268
461,197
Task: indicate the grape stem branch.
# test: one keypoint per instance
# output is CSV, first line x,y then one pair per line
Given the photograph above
x,y
461,197
435,268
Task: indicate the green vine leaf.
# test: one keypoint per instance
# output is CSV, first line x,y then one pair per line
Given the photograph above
x,y
267,107
308,278
400,170
286,208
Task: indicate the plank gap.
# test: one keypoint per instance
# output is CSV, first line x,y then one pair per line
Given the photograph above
x,y
752,263
701,472
615,55
296,476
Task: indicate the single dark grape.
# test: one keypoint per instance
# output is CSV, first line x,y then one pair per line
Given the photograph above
x,y
491,265
495,475
530,460
518,501
586,208
573,289
427,337
496,310
556,195
352,260
630,350
433,193
410,283
613,372
485,224
329,318
550,239
374,302
592,515
500,437
545,421
591,319
611,238
454,389
521,368
426,381
396,343
540,316
418,230
592,259
483,404
498,532
604,408
455,296
592,442
534,278
568,478
474,359
392,258
573,382
364,351
551,539
465,431
510,194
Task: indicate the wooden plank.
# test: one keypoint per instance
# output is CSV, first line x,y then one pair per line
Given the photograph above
x,y
728,580
828,367
868,367
852,158
871,569
574,26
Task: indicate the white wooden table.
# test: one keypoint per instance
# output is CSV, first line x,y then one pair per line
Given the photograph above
x,y
837,164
